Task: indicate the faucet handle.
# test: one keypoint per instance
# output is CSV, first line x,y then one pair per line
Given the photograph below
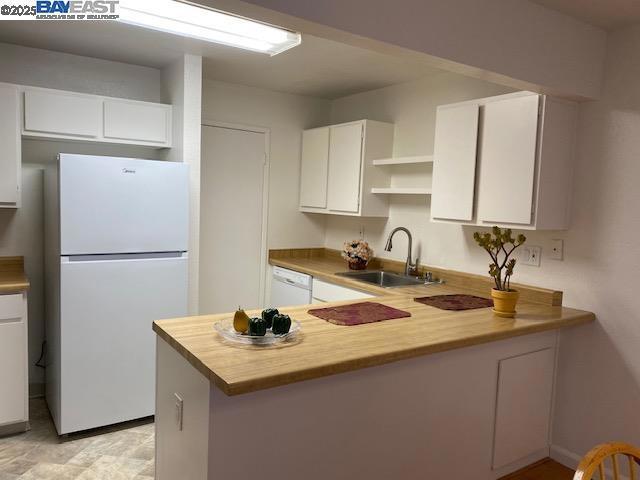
x,y
413,268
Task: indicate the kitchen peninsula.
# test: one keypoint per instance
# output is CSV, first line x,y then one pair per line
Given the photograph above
x,y
445,386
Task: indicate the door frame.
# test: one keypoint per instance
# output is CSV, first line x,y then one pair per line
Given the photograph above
x,y
209,122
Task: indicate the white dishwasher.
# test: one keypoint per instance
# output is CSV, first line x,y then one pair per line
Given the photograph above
x,y
289,288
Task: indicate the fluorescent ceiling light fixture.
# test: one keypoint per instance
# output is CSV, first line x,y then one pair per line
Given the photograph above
x,y
194,21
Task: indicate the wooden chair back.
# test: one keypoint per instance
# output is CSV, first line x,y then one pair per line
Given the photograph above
x,y
611,457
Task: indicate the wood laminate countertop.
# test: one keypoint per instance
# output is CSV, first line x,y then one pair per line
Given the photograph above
x,y
324,349
12,276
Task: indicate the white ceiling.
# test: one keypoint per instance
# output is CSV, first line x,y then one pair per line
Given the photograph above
x,y
318,67
607,14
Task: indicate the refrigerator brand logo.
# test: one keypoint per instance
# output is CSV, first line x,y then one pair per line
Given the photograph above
x,y
128,170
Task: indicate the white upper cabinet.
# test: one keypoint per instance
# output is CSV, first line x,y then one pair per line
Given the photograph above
x,y
65,115
508,159
514,169
314,168
337,171
62,113
345,161
10,147
137,121
454,162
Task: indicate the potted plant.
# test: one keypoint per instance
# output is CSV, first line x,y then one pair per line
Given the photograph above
x,y
357,253
500,244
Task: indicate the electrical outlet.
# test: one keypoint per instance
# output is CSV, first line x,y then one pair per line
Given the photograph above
x,y
531,255
557,249
179,410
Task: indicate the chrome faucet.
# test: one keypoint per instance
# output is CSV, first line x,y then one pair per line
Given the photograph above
x,y
409,268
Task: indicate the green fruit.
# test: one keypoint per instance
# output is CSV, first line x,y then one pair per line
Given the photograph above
x,y
257,327
281,324
268,315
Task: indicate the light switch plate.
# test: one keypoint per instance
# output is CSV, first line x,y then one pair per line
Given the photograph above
x,y
531,255
557,249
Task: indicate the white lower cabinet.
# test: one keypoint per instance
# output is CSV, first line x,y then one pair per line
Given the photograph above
x,y
523,410
328,292
13,362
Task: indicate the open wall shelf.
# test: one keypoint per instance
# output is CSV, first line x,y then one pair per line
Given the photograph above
x,y
401,191
404,160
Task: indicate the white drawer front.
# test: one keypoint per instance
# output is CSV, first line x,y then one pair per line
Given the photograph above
x,y
329,292
11,308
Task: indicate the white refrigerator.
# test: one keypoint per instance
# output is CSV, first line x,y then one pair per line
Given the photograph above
x,y
116,235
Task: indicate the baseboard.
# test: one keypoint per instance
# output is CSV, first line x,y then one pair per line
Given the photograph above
x,y
36,390
14,428
519,464
565,457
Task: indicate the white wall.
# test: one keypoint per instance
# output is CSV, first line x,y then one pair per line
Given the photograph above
x,y
516,42
21,231
285,116
182,87
599,384
598,397
48,69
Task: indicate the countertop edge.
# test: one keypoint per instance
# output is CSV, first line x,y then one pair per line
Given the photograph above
x,y
240,388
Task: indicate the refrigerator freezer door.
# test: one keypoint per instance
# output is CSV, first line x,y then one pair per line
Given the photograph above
x,y
108,346
122,205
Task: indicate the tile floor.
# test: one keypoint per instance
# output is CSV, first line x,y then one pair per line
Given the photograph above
x,y
125,452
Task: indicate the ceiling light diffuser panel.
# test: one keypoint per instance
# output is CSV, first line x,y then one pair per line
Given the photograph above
x,y
194,21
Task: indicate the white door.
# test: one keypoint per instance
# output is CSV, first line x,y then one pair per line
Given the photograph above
x,y
232,209
62,113
108,305
122,205
137,121
508,160
525,389
345,164
454,167
314,168
13,359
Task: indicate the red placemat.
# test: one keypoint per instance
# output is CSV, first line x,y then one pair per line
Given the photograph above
x,y
357,313
456,302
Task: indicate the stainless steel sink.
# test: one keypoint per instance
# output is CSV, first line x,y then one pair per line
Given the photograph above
x,y
383,278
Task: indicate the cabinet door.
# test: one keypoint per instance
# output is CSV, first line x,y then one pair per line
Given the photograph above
x,y
454,168
137,121
525,386
13,359
64,114
345,165
314,168
508,160
10,145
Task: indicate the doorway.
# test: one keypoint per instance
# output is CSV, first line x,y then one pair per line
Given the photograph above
x,y
233,217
